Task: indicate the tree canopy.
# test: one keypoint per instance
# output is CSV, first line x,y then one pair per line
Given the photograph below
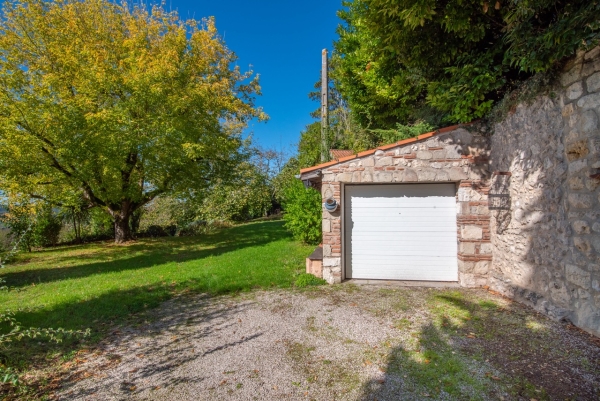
x,y
117,103
401,61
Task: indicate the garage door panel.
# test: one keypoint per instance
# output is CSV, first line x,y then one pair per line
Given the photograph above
x,y
401,232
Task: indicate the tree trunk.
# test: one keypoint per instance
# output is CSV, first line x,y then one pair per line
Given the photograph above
x,y
122,229
77,233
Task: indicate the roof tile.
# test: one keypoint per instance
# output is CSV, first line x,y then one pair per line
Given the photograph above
x,y
343,159
339,153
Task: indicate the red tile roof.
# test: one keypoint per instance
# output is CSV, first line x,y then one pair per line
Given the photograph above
x,y
339,153
345,155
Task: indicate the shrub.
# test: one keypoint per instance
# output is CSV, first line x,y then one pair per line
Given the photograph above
x,y
35,226
46,228
303,212
305,280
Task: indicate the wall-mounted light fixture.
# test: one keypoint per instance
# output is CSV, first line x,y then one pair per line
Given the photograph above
x,y
330,204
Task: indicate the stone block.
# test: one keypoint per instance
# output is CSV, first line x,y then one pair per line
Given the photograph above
x,y
424,155
590,67
574,91
593,83
442,175
593,54
575,183
592,183
577,150
384,161
567,110
583,294
578,276
344,177
596,242
366,177
457,174
328,177
571,76
559,294
471,280
482,267
486,248
326,226
409,175
326,250
368,162
453,152
591,101
382,177
439,154
467,248
588,122
581,201
426,174
356,176
331,262
471,232
581,227
577,165
582,244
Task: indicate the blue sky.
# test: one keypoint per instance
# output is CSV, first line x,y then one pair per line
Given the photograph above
x,y
282,40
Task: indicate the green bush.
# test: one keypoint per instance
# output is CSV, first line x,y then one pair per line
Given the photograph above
x,y
305,280
46,228
36,229
302,212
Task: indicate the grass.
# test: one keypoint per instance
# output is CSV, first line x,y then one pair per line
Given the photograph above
x,y
100,285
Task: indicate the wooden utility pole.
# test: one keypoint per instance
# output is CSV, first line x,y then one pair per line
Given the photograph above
x,y
324,106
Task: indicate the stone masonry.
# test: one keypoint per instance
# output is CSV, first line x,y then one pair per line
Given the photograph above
x,y
528,196
452,154
547,246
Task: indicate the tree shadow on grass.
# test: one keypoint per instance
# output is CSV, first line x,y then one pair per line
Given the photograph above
x,y
478,350
148,253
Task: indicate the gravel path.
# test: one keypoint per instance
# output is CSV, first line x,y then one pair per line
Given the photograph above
x,y
322,344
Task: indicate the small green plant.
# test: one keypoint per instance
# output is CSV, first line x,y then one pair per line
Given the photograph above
x,y
8,375
305,280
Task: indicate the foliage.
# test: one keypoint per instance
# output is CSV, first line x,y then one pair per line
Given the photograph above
x,y
34,225
285,178
119,103
303,212
244,196
400,61
166,211
306,280
309,147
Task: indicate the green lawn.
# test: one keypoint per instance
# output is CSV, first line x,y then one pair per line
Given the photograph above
x,y
97,285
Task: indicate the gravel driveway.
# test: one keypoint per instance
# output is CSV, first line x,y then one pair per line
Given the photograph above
x,y
340,342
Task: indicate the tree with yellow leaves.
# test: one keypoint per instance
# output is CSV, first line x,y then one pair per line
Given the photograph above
x,y
117,103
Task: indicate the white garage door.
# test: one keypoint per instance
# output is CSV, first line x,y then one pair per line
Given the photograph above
x,y
401,232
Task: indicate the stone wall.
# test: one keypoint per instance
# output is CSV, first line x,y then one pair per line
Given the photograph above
x,y
453,154
546,243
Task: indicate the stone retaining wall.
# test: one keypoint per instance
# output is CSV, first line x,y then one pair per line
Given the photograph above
x,y
546,245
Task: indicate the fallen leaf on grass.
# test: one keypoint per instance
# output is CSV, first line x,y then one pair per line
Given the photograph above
x,y
381,381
